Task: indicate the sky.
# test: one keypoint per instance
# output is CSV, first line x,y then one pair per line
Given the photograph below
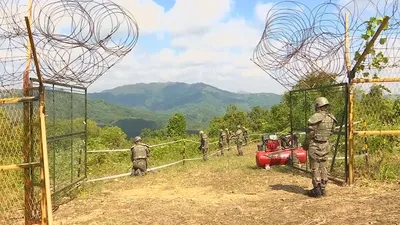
x,y
209,41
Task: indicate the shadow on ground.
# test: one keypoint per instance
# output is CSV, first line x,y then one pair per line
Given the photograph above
x,y
289,188
254,167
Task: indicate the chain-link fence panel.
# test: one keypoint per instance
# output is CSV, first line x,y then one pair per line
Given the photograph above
x,y
376,140
302,104
20,190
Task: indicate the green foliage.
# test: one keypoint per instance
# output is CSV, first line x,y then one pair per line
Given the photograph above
x,y
378,59
176,126
258,119
233,117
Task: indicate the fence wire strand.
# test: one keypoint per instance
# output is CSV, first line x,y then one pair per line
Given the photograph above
x,y
76,41
298,40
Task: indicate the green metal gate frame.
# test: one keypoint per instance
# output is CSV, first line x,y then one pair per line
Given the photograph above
x,y
340,133
50,87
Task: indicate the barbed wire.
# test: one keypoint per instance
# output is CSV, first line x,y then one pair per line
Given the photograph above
x,y
76,41
299,40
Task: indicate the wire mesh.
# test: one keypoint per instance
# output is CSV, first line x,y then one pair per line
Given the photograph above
x,y
299,40
19,141
378,107
302,108
305,47
66,115
76,41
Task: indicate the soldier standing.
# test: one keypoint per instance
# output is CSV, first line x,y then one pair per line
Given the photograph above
x,y
228,138
222,141
203,145
139,154
245,135
239,140
320,127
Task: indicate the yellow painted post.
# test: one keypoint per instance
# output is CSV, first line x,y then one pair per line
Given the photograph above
x,y
351,135
351,76
350,145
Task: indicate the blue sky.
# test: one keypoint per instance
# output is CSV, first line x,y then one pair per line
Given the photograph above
x,y
194,41
209,41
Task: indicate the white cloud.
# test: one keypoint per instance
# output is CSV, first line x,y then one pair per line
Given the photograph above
x,y
185,17
206,46
261,10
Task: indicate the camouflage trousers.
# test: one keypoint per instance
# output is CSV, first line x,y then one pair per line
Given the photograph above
x,y
221,146
204,151
139,167
228,144
318,156
239,148
245,140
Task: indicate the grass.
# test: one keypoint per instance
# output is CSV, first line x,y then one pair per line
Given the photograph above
x,y
228,190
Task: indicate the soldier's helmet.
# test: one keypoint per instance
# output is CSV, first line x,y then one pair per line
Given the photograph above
x,y
220,130
244,128
226,129
137,138
321,101
201,132
238,126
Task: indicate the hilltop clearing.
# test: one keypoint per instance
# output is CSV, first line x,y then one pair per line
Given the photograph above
x,y
228,190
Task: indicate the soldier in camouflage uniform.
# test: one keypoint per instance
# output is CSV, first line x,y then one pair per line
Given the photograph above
x,y
222,141
245,135
203,145
139,154
228,138
320,127
239,140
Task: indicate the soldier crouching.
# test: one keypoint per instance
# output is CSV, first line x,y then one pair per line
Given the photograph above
x,y
320,127
139,154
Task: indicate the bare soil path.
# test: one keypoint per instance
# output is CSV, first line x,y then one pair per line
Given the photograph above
x,y
228,190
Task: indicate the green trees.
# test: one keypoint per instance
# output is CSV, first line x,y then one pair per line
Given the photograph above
x,y
176,126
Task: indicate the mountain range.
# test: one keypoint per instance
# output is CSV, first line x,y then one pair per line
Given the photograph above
x,y
137,106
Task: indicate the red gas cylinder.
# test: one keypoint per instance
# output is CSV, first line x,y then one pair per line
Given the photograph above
x,y
266,159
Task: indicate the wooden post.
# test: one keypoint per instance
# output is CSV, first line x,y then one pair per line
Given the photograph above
x,y
351,75
351,135
28,203
350,104
47,217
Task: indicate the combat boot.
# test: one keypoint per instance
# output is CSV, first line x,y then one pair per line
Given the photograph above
x,y
138,173
323,192
315,192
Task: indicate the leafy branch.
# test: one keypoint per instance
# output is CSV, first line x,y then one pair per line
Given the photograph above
x,y
378,59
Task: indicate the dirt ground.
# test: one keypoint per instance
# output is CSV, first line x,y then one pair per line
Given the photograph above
x,y
228,190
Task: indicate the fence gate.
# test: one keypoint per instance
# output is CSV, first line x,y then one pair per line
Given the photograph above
x,y
302,107
66,123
